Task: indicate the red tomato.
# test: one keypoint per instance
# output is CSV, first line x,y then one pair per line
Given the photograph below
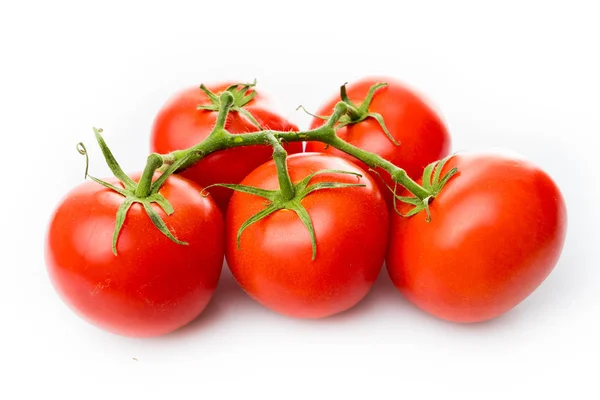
x,y
410,120
273,264
153,286
179,125
497,230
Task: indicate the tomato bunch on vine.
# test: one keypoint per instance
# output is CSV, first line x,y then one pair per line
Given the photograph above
x,y
305,219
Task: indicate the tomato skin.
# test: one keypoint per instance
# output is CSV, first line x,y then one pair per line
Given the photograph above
x,y
497,230
179,125
154,285
410,120
274,263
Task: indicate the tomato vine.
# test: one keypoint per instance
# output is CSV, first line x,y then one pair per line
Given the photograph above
x,y
289,194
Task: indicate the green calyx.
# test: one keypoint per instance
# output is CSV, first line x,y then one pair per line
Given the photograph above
x,y
433,182
145,192
276,200
356,114
243,93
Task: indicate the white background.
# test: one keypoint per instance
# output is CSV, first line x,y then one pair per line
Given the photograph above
x,y
518,74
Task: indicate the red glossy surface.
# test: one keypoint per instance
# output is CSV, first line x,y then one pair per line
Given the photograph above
x,y
496,232
154,285
422,134
274,263
179,125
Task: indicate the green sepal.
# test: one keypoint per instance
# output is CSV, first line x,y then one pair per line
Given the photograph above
x,y
426,180
264,193
409,200
213,97
344,96
108,185
446,178
364,106
255,218
159,223
162,202
83,151
439,166
121,215
304,182
323,117
307,221
270,195
112,162
330,185
208,107
379,118
248,115
438,184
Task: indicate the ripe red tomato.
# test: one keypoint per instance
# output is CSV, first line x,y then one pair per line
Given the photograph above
x,y
273,264
153,286
410,120
179,125
497,230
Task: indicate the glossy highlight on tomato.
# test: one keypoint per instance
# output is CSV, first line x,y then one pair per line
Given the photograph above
x,y
180,125
153,285
273,264
497,230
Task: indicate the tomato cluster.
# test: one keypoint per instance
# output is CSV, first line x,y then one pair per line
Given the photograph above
x,y
489,234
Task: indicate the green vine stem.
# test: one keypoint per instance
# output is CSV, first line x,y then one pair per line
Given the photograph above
x,y
286,186
220,139
154,162
289,194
